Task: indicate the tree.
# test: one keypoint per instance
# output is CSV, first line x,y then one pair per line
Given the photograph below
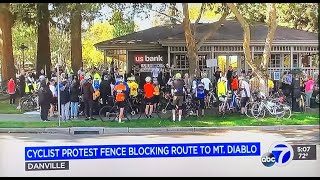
x,y
27,35
6,22
73,21
76,44
194,44
96,33
261,71
122,25
43,46
302,16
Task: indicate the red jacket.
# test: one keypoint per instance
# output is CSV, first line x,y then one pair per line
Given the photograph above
x,y
234,84
11,87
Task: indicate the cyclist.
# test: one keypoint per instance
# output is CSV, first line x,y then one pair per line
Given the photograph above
x,y
221,87
199,93
156,93
178,92
120,91
245,94
148,97
133,87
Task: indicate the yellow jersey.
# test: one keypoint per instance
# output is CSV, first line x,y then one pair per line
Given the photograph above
x,y
133,86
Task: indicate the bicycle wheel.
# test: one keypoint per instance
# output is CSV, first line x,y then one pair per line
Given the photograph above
x,y
317,99
222,108
165,110
279,111
258,111
287,111
135,112
108,113
248,108
28,105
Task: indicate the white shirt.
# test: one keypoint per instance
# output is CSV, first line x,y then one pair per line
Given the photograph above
x,y
206,82
155,72
53,90
246,91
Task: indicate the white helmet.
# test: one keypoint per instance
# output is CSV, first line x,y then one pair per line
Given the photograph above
x,y
148,79
87,77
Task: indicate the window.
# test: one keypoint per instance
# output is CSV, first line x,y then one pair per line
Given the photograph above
x,y
257,58
295,60
286,61
181,61
202,61
275,60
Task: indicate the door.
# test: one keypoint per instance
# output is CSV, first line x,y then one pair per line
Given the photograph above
x,y
224,61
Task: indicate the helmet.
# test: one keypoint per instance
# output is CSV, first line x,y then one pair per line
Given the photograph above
x,y
148,79
178,76
87,77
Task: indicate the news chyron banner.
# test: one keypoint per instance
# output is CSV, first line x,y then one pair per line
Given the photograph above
x,y
172,159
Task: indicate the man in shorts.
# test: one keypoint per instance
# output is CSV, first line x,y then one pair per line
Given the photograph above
x,y
178,92
245,94
148,97
120,91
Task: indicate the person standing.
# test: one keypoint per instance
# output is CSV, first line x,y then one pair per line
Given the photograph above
x,y
22,83
74,98
65,100
45,98
229,76
87,91
309,86
199,90
148,97
53,89
245,94
12,90
217,74
178,92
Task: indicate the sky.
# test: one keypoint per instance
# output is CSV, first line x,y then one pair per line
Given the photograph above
x,y
143,23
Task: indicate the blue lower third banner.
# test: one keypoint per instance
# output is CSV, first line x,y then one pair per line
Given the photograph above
x,y
142,151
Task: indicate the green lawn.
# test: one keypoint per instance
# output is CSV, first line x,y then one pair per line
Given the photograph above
x,y
6,108
212,121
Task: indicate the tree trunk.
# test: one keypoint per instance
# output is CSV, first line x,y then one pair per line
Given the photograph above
x,y
272,26
246,40
262,71
43,46
190,43
76,44
8,69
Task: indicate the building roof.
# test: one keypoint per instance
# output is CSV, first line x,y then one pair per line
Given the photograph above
x,y
231,30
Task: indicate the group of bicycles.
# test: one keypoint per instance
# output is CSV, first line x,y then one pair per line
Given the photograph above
x,y
135,107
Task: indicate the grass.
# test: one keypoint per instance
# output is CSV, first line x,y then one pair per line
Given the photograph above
x,y
210,121
6,108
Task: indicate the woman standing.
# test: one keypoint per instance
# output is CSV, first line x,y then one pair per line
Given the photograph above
x,y
309,85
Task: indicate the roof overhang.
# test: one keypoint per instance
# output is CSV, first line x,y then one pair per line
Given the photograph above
x,y
240,42
128,46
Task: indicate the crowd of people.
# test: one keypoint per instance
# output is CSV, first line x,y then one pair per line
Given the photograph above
x,y
91,86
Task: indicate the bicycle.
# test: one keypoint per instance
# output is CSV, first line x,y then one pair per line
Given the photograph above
x,y
259,109
210,99
106,112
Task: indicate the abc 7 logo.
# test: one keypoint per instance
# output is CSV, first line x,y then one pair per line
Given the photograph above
x,y
280,154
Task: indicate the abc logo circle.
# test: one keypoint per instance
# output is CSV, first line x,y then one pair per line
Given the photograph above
x,y
268,159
